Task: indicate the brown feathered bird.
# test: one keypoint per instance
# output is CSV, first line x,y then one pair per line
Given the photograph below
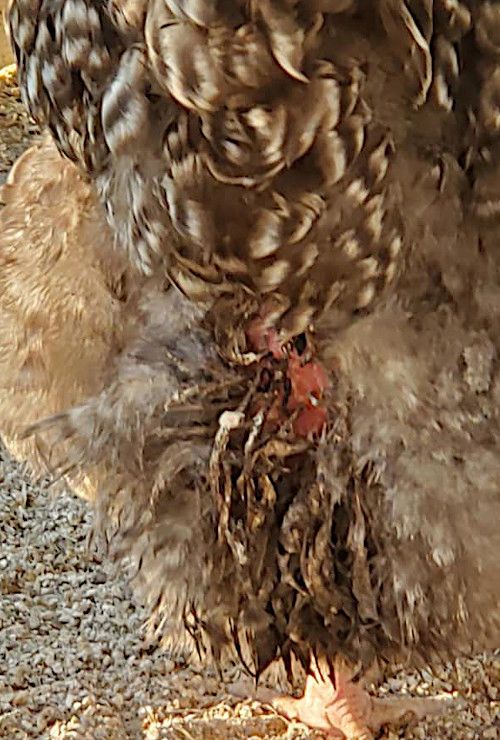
x,y
298,444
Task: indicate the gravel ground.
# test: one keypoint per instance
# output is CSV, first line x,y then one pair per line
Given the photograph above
x,y
73,662
15,126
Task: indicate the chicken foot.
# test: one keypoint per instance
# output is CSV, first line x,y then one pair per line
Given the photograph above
x,y
341,708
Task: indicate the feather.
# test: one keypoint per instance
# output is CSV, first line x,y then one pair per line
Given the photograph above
x,y
289,418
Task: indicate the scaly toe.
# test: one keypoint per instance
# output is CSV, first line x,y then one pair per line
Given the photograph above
x,y
401,710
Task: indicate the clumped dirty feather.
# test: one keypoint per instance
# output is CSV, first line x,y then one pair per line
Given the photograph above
x,y
253,545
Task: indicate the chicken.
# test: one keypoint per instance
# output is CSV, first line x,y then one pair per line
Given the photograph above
x,y
62,297
379,541
292,444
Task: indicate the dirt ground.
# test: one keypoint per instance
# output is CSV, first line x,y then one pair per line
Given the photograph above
x,y
73,662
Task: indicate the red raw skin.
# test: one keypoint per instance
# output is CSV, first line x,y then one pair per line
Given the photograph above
x,y
264,338
310,421
308,381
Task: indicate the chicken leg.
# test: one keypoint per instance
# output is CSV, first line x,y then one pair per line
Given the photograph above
x,y
341,708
